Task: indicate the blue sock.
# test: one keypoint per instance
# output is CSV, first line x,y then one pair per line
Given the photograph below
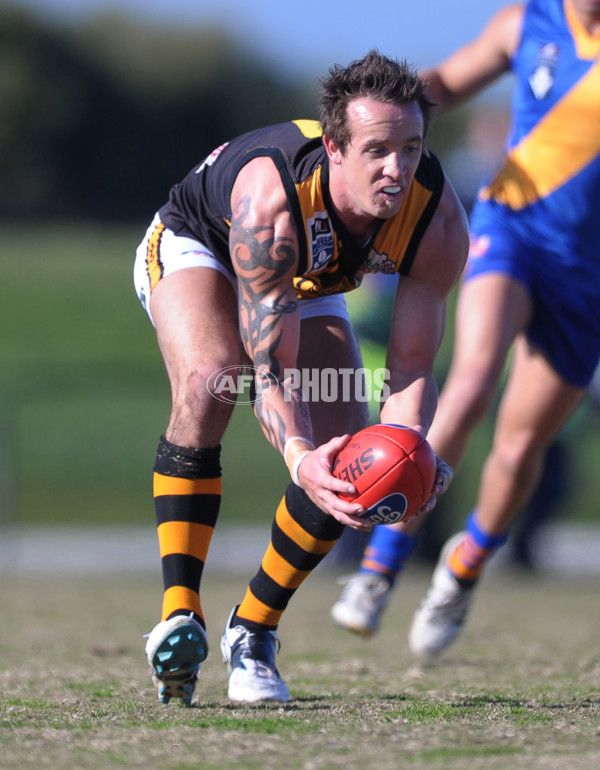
x,y
481,538
387,551
468,559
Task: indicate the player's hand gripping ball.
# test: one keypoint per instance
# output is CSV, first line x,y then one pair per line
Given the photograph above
x,y
393,469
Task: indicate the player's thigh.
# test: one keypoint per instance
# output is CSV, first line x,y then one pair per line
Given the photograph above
x,y
195,315
492,309
536,403
329,351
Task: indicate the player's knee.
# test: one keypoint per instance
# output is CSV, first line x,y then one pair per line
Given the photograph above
x,y
204,387
520,456
199,413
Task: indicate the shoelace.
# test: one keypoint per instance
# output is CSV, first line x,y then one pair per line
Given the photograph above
x,y
262,646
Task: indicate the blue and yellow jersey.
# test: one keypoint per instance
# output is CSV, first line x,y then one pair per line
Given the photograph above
x,y
331,261
551,175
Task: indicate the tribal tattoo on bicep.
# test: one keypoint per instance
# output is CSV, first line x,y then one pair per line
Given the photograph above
x,y
264,264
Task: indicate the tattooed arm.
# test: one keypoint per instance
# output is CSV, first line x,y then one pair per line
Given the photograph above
x,y
264,252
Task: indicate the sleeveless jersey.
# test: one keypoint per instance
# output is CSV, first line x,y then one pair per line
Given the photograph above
x,y
330,260
551,175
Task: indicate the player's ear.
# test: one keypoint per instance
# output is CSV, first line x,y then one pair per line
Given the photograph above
x,y
333,151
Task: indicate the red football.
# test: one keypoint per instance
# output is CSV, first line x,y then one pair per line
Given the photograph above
x,y
392,468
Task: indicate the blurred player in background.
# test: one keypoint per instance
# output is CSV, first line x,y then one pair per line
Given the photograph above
x,y
247,265
533,279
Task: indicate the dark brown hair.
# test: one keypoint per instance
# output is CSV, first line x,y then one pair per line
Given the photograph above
x,y
377,76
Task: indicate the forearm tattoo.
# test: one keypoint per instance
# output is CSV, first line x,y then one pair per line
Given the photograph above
x,y
262,263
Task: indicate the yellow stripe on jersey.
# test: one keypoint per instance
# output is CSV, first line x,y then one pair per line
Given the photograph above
x,y
587,46
311,129
310,192
171,485
540,157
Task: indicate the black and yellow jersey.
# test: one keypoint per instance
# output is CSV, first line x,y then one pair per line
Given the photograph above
x,y
331,261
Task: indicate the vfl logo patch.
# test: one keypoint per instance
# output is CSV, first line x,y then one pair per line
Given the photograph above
x,y
541,79
210,159
388,510
321,240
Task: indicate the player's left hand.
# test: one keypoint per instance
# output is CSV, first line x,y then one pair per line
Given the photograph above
x,y
443,476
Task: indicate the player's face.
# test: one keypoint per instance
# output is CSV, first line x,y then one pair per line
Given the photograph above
x,y
377,168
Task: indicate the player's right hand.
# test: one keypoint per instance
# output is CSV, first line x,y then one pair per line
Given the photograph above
x,y
323,488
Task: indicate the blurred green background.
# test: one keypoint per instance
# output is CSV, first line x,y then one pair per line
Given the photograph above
x,y
93,133
84,394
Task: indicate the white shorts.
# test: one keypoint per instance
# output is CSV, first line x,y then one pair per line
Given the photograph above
x,y
178,252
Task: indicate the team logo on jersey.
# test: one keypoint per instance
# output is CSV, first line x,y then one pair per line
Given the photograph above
x,y
321,240
541,79
378,262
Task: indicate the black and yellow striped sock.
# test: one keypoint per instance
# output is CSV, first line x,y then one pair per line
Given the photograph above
x,y
187,495
301,536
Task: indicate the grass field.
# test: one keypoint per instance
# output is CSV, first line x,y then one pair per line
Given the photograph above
x,y
83,398
521,688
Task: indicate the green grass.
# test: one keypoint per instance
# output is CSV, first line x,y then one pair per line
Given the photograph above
x,y
520,689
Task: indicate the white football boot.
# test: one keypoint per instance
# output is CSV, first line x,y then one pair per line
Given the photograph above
x,y
361,603
443,611
250,659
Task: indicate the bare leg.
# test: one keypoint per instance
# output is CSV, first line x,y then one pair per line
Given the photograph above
x,y
536,404
195,313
